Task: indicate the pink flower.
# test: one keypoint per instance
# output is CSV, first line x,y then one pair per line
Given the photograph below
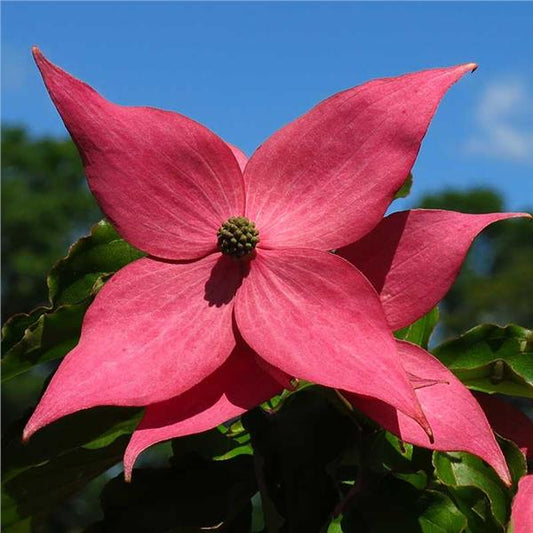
x,y
222,311
522,510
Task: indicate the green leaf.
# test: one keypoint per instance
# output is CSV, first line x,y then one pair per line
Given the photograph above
x,y
204,494
420,331
14,328
439,513
335,525
50,333
91,429
60,459
405,189
396,506
19,526
516,460
219,444
477,489
435,513
89,261
51,336
492,359
404,461
457,469
39,489
295,450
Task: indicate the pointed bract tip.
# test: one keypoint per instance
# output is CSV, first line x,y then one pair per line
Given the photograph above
x,y
128,462
472,67
503,471
33,425
38,57
36,52
26,434
424,424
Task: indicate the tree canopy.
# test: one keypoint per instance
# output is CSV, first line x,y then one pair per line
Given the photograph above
x,y
46,205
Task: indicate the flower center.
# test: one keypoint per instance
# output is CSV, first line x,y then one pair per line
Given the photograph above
x,y
237,237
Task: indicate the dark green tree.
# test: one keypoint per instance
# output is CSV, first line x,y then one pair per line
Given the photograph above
x,y
46,205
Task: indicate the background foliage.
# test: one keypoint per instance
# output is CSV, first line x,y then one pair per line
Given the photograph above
x,y
212,480
46,205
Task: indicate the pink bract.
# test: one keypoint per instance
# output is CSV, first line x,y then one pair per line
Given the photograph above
x,y
200,337
508,421
457,420
522,510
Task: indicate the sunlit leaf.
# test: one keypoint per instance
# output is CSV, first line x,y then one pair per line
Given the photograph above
x,y
476,487
492,359
89,260
14,328
420,331
50,337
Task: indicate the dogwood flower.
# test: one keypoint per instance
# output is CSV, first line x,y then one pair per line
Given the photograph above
x,y
239,292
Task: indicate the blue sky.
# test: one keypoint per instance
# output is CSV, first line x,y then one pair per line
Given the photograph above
x,y
246,69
